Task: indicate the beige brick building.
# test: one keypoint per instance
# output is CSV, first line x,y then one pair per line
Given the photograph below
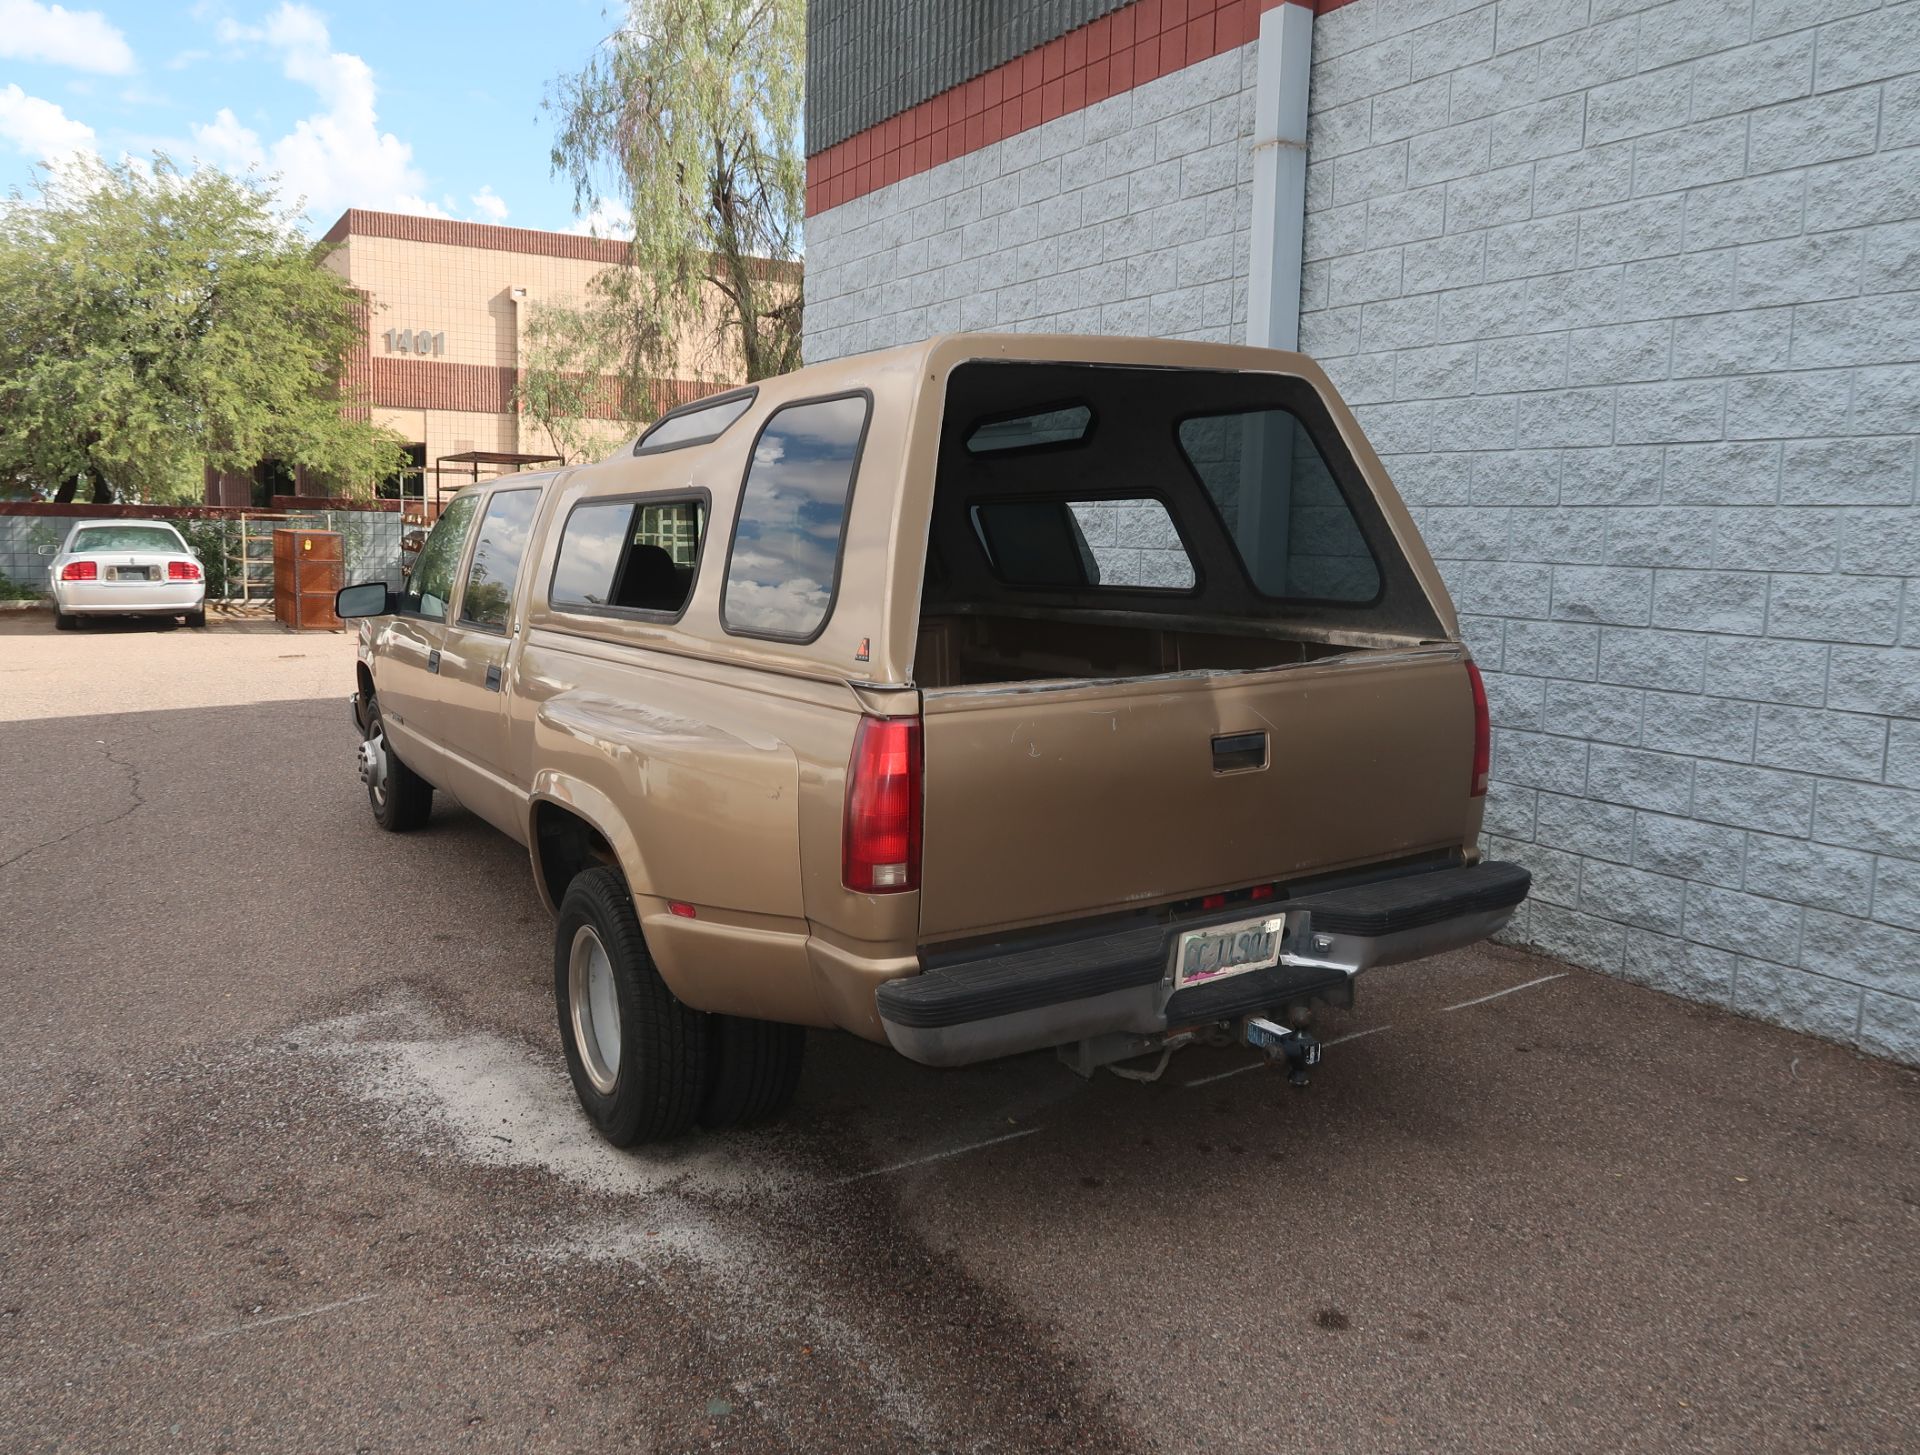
x,y
446,318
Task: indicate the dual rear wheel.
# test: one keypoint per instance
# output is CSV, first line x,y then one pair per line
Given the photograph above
x,y
645,1066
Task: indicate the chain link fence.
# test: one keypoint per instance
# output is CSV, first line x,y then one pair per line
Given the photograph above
x,y
235,552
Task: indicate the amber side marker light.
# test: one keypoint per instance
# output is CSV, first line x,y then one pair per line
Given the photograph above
x,y
880,839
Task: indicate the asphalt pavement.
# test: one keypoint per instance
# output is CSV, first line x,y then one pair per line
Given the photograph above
x,y
289,1162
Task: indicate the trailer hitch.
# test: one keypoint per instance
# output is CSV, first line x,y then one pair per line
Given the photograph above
x,y
1299,1049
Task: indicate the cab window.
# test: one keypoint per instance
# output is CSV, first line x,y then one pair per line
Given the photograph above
x,y
629,555
504,531
430,585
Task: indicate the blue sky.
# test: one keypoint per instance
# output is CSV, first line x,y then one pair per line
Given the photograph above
x,y
426,106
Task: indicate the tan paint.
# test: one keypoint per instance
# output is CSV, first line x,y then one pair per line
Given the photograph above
x,y
714,765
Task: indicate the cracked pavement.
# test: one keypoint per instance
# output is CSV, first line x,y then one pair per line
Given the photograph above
x,y
288,1162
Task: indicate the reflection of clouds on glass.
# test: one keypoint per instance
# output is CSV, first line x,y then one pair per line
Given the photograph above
x,y
504,532
788,539
431,585
589,552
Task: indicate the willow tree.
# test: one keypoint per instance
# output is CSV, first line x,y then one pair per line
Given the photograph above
x,y
155,321
688,118
578,379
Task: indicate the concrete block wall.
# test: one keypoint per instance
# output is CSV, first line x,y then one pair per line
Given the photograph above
x,y
1625,295
1129,216
21,537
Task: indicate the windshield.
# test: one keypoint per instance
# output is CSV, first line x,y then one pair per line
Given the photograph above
x,y
126,538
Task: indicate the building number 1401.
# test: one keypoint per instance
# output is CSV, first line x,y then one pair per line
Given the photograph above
x,y
416,341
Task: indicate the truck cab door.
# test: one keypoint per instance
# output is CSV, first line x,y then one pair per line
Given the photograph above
x,y
408,649
476,656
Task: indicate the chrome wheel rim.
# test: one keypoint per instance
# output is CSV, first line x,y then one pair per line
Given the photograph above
x,y
373,767
594,1004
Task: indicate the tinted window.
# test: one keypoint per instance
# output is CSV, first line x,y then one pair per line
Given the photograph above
x,y
430,586
1028,431
126,538
497,555
786,545
693,426
1080,543
629,555
1286,513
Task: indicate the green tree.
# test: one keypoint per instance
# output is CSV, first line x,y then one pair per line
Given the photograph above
x,y
581,367
689,115
154,321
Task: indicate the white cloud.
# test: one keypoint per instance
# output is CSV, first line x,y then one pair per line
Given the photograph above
x,y
424,207
488,204
336,158
83,39
40,130
608,219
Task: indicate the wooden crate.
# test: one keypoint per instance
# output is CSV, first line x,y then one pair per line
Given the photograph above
x,y
308,569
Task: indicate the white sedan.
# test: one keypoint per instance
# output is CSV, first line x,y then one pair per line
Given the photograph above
x,y
126,568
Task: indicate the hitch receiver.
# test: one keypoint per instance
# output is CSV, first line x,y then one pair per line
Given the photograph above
x,y
1299,1049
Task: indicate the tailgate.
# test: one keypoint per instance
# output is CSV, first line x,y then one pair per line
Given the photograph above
x,y
1051,801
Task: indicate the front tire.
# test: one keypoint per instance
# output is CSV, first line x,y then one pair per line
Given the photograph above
x,y
400,798
638,1057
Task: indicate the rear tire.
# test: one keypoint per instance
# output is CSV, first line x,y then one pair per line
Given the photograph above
x,y
640,1078
62,622
755,1071
197,619
404,801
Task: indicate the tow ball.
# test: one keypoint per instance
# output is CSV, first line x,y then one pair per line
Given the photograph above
x,y
1299,1049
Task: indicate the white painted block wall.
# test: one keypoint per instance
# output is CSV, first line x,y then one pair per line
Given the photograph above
x,y
1128,217
1625,296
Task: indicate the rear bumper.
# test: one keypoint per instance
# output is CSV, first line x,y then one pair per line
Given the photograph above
x,y
975,1007
129,598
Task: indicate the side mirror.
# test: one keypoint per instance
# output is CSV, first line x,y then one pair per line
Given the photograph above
x,y
369,598
43,550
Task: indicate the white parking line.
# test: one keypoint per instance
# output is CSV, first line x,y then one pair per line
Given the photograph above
x,y
252,1324
935,1156
1510,990
1239,1070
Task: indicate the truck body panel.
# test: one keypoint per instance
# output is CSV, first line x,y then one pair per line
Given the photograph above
x,y
1095,751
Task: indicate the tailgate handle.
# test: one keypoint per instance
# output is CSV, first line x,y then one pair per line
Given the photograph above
x,y
1237,752
493,678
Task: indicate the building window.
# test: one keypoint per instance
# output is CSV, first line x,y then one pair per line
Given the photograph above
x,y
410,482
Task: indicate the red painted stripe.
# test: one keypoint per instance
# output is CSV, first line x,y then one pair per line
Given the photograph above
x,y
1127,48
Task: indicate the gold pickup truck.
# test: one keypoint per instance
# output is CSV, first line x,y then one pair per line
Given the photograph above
x,y
989,695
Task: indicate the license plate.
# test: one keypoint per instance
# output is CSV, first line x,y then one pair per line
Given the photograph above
x,y
133,573
1212,954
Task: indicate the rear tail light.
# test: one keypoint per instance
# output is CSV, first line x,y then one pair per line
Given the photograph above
x,y
880,842
183,570
1482,733
80,571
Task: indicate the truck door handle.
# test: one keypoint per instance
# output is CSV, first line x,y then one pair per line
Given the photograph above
x,y
433,660
493,678
1236,752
